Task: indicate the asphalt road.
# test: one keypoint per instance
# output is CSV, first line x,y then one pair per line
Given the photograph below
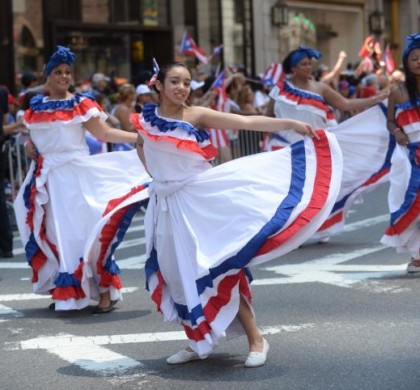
x,y
341,315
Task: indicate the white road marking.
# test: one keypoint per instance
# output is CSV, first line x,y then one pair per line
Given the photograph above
x,y
7,313
83,352
64,340
30,296
366,223
327,270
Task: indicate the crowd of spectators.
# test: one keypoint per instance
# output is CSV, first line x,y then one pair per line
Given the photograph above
x,y
246,94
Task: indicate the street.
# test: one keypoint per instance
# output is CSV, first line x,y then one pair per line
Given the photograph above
x,y
341,315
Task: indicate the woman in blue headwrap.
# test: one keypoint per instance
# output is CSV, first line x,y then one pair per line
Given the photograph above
x,y
73,209
363,139
404,123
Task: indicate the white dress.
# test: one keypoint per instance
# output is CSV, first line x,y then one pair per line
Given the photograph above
x,y
364,140
404,193
204,226
65,194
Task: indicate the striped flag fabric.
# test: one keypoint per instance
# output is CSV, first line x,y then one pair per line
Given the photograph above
x,y
273,74
190,48
152,81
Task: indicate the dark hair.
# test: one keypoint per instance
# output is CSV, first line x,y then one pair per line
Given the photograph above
x,y
287,68
410,83
25,105
163,71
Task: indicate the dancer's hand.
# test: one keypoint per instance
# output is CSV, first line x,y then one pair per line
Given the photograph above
x,y
401,138
304,128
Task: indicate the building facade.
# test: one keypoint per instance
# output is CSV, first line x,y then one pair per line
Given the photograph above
x,y
120,37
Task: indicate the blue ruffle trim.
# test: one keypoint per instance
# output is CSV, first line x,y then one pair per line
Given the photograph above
x,y
407,105
413,184
287,87
31,248
250,250
64,279
386,165
149,115
38,103
110,265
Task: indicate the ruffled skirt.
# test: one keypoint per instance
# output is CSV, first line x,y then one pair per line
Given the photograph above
x,y
202,234
404,201
62,199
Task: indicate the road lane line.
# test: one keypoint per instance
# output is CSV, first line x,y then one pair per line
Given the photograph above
x,y
65,340
327,270
7,313
30,296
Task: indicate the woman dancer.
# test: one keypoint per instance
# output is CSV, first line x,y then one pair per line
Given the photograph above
x,y
364,141
404,124
66,192
204,226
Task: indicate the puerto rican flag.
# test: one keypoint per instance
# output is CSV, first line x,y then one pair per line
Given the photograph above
x,y
219,86
190,48
273,74
218,137
152,81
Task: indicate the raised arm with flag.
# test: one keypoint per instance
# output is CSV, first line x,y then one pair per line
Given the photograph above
x,y
190,48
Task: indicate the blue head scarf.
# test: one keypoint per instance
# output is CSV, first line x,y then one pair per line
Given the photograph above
x,y
62,55
302,52
412,42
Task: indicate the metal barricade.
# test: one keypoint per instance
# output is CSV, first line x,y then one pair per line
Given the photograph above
x,y
18,163
246,143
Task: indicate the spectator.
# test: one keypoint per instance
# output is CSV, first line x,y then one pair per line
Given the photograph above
x,y
126,98
100,84
143,96
6,236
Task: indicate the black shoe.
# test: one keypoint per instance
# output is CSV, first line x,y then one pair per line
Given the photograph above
x,y
103,310
6,255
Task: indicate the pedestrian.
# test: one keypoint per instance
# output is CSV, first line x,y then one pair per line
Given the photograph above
x,y
299,96
404,124
6,235
126,98
205,225
144,95
67,193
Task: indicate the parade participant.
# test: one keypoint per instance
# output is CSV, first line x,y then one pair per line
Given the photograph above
x,y
364,141
66,192
404,124
205,225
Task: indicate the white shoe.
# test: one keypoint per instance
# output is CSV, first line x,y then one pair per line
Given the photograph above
x,y
413,266
256,359
324,240
182,356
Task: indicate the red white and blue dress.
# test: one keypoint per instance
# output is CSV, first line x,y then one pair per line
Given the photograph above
x,y
205,225
404,193
65,195
364,140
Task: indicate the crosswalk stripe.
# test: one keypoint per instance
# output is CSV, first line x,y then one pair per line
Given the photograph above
x,y
31,296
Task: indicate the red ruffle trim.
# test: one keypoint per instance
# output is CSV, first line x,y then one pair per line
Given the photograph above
x,y
208,152
406,220
319,197
216,303
113,203
65,293
408,117
81,109
306,101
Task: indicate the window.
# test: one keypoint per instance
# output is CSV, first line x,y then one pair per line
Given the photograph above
x,y
125,10
63,9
